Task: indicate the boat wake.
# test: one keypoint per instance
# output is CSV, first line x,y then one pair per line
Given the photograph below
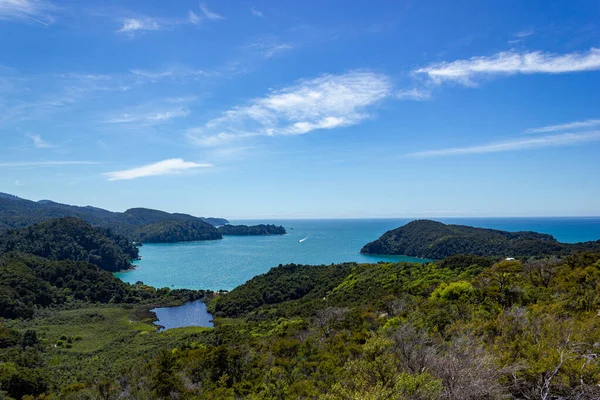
x,y
302,240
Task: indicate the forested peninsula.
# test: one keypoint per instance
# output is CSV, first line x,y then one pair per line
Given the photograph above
x,y
142,225
435,240
255,230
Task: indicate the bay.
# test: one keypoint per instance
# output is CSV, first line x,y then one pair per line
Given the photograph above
x,y
227,263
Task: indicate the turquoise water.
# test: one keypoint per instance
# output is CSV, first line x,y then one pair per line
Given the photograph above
x,y
190,314
227,263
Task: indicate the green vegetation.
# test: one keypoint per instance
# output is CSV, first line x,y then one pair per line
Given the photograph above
x,y
80,353
466,327
245,230
17,213
176,231
72,239
435,240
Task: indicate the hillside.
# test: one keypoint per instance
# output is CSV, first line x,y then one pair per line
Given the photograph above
x,y
17,213
435,240
255,230
169,231
466,327
71,239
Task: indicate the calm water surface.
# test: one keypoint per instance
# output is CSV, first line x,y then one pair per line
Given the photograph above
x,y
227,263
190,314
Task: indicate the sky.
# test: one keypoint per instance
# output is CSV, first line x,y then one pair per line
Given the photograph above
x,y
312,109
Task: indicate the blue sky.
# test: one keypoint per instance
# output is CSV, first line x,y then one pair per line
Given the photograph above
x,y
267,109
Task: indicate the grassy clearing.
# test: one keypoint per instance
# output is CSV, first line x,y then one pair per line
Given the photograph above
x,y
96,344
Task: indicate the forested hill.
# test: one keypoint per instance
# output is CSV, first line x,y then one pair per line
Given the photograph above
x,y
176,231
16,212
435,240
72,239
245,230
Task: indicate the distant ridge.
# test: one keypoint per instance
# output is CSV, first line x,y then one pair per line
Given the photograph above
x,y
16,213
435,240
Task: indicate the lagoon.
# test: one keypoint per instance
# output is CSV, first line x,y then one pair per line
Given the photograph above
x,y
192,313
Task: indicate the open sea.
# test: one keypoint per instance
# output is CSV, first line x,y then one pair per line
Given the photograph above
x,y
227,263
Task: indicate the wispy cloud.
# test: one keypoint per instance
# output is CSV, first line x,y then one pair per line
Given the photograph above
x,y
326,102
566,139
151,117
524,33
131,25
165,167
19,183
33,10
467,71
175,73
269,47
209,14
44,163
563,127
193,18
40,143
413,94
256,12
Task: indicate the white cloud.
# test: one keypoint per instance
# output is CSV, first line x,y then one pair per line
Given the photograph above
x,y
131,25
19,183
44,163
40,143
565,139
34,10
413,94
510,63
256,12
563,127
193,18
327,102
209,14
524,33
165,167
150,117
171,73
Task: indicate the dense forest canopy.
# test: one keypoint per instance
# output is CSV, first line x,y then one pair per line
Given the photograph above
x,y
176,231
435,240
72,239
244,230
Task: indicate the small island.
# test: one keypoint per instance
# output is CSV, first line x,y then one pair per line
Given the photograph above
x,y
254,230
435,240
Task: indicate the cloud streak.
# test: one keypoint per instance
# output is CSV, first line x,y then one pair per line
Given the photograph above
x,y
590,123
34,10
165,167
467,71
209,14
565,139
151,117
326,102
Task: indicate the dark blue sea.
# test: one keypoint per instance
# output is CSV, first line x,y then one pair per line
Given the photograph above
x,y
227,263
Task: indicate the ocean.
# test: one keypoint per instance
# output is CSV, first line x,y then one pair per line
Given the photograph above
x,y
227,263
